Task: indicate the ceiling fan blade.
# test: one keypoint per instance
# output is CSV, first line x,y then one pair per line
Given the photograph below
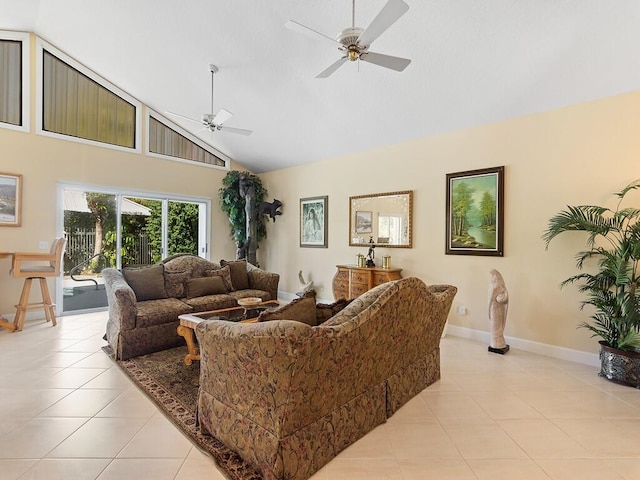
x,y
240,131
394,63
222,116
389,14
182,116
332,68
298,27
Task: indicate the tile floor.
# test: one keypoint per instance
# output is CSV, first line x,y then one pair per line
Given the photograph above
x,y
66,412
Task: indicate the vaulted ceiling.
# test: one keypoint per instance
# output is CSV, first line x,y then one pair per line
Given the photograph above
x,y
473,62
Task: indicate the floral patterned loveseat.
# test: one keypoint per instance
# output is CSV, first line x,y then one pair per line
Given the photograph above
x,y
144,303
288,397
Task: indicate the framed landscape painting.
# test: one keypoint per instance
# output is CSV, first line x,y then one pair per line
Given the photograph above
x,y
314,222
364,222
10,200
475,212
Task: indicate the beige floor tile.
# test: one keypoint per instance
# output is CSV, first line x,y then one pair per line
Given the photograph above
x,y
60,359
71,377
130,403
158,438
354,469
452,404
37,437
627,468
591,404
603,437
81,403
99,438
507,469
414,409
436,468
504,405
541,438
577,469
98,359
29,403
375,444
420,440
111,378
477,438
12,469
66,469
142,468
199,469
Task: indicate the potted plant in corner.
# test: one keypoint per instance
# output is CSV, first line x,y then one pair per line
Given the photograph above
x,y
613,241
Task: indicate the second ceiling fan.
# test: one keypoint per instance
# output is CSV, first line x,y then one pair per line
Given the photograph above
x,y
354,41
213,122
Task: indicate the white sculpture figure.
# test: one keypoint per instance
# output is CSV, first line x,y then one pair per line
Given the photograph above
x,y
498,306
306,286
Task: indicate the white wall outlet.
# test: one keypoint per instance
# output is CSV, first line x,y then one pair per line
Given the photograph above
x,y
43,245
462,310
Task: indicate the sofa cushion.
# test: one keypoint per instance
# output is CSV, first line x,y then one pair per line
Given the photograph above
x,y
158,312
301,309
199,287
211,302
239,276
224,273
147,282
251,292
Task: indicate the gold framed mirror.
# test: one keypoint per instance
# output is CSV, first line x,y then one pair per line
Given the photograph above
x,y
384,218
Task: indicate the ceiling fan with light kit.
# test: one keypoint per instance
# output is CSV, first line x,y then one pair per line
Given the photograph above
x,y
354,42
215,122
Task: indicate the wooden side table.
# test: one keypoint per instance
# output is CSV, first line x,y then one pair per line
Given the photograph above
x,y
351,281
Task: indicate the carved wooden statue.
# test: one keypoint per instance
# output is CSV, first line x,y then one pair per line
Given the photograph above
x,y
247,191
498,306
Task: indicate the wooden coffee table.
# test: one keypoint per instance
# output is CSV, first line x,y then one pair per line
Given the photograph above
x,y
188,323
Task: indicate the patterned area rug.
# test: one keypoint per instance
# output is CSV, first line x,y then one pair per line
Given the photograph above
x,y
173,386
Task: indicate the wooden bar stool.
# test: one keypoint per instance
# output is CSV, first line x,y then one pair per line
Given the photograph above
x,y
38,272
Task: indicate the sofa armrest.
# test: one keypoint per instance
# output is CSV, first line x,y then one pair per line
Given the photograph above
x,y
122,300
262,280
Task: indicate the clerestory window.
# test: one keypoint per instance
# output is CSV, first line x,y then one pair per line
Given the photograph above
x,y
14,80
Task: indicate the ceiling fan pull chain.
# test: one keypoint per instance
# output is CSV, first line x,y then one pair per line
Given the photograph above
x,y
213,74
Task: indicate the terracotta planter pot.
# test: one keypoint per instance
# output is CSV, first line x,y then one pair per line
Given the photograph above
x,y
620,366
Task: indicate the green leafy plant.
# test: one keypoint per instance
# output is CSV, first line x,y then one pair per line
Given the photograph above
x,y
233,204
613,241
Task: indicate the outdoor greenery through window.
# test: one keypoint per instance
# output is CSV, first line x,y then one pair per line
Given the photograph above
x,y
166,141
75,105
11,82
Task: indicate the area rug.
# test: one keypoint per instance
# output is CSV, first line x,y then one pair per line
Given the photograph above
x,y
173,386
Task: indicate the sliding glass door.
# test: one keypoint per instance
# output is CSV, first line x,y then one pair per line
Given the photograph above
x,y
118,229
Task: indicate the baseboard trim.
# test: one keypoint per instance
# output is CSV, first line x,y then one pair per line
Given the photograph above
x,y
553,351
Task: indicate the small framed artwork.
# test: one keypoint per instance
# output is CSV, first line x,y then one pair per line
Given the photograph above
x,y
475,212
314,222
10,200
364,222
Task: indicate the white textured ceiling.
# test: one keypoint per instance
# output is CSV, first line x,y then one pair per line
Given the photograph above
x,y
473,62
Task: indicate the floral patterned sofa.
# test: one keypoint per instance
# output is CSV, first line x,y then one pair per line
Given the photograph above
x,y
288,396
144,303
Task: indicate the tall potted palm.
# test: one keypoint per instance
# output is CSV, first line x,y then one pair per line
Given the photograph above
x,y
613,242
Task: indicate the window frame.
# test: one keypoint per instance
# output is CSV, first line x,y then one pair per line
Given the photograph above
x,y
25,39
149,112
42,45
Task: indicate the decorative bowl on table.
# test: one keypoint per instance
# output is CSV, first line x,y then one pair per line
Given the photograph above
x,y
249,301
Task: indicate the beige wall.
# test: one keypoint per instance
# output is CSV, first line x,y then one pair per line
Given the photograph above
x,y
574,155
44,162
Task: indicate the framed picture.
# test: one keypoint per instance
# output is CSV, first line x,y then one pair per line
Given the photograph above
x,y
475,212
314,222
364,221
10,200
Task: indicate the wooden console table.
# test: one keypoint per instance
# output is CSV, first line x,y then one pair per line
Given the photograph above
x,y
351,281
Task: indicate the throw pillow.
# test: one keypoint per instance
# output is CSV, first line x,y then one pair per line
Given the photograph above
x,y
225,273
301,309
324,311
147,282
239,276
200,287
